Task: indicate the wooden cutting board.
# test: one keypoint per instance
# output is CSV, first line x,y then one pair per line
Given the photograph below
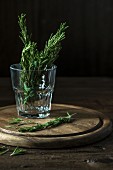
x,y
87,126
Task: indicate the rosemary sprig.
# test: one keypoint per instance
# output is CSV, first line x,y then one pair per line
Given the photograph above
x,y
53,47
15,121
52,123
33,60
3,150
18,121
18,151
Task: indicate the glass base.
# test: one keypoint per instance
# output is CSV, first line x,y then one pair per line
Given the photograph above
x,y
38,108
34,116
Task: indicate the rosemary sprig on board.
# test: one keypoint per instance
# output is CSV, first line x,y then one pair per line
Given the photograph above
x,y
15,121
53,123
34,60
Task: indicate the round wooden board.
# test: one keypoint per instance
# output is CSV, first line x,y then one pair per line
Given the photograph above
x,y
87,126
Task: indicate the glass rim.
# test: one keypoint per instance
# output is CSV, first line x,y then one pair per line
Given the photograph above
x,y
53,67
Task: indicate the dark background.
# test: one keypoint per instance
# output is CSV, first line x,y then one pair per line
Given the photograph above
x,y
88,47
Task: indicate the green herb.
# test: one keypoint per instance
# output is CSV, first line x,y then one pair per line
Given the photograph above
x,y
34,60
3,150
15,121
52,123
18,151
18,121
26,122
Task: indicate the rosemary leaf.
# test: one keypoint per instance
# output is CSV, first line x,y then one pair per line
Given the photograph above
x,y
3,150
15,121
18,151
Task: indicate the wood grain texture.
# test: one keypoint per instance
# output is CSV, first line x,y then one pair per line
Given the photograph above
x,y
87,126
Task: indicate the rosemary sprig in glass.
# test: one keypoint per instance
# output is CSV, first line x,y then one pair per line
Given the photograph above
x,y
34,60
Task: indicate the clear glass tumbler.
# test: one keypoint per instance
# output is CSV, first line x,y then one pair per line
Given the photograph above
x,y
33,90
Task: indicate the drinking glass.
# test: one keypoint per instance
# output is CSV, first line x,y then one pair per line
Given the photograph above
x,y
33,90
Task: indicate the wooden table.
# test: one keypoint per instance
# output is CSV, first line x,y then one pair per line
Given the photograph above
x,y
95,93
